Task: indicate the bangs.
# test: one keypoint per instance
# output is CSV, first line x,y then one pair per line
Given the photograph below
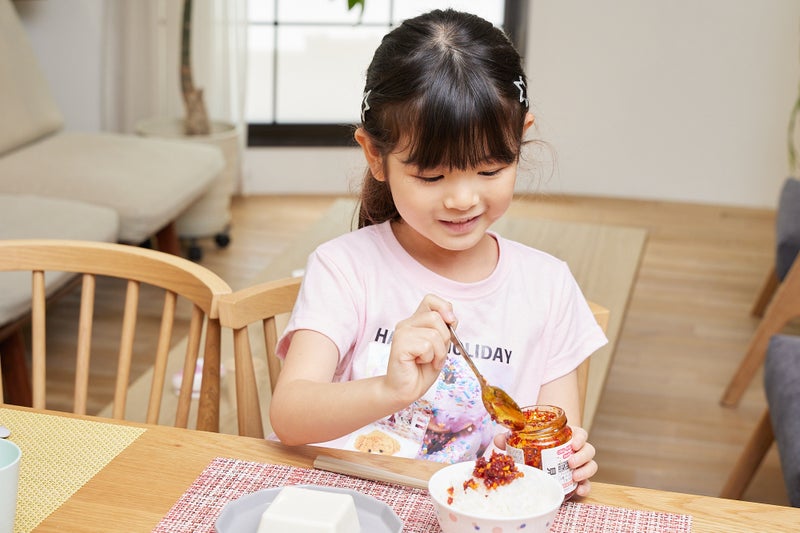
x,y
460,126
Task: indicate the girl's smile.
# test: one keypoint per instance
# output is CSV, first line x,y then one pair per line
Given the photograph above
x,y
445,213
453,211
461,226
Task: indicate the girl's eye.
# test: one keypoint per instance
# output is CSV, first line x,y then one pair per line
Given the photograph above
x,y
490,173
429,179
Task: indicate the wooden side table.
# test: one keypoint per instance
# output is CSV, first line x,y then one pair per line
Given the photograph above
x,y
210,216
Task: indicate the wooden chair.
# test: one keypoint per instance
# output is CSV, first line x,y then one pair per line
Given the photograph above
x,y
181,280
779,422
602,315
779,300
262,303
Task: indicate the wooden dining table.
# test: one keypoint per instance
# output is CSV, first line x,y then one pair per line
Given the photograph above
x,y
154,466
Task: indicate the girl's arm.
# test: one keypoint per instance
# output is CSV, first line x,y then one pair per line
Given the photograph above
x,y
307,407
563,392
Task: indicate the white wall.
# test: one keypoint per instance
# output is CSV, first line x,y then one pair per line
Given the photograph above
x,y
67,36
302,170
679,100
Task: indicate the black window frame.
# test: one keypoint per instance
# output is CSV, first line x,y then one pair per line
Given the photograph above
x,y
515,17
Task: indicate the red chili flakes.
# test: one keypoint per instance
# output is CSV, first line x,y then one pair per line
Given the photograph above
x,y
537,419
500,469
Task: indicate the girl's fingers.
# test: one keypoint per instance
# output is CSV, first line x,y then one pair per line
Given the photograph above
x,y
579,437
582,456
500,440
582,460
433,314
583,450
426,346
584,487
585,471
444,308
437,313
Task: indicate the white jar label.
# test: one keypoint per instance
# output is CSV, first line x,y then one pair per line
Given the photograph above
x,y
516,453
554,462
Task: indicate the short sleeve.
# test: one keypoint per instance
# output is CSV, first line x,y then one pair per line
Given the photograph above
x,y
326,303
572,332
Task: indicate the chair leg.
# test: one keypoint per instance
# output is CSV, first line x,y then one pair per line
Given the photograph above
x,y
16,382
767,291
168,240
208,405
784,306
750,459
753,359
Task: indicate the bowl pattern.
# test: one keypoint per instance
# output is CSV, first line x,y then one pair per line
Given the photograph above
x,y
458,524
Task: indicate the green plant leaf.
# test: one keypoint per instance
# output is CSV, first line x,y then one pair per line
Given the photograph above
x,y
353,3
790,136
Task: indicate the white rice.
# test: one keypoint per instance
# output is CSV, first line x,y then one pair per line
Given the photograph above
x,y
521,497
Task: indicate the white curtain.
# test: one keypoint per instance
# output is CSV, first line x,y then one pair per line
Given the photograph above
x,y
142,58
220,57
131,56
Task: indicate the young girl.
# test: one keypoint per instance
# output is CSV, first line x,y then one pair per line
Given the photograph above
x,y
368,359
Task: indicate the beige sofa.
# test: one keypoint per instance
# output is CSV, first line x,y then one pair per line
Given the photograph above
x,y
39,217
148,182
75,185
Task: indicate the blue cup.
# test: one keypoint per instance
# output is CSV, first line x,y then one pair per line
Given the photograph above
x,y
10,456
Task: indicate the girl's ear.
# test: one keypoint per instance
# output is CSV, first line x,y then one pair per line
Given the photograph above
x,y
374,159
529,120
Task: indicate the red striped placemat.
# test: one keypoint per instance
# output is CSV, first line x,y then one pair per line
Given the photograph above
x,y
576,517
225,480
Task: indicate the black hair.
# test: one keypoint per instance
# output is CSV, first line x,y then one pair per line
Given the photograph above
x,y
450,86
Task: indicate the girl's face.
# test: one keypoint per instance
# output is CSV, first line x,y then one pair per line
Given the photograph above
x,y
443,210
449,208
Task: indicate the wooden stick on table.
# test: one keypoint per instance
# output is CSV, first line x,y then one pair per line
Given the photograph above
x,y
340,466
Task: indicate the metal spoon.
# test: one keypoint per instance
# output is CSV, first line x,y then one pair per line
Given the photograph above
x,y
502,408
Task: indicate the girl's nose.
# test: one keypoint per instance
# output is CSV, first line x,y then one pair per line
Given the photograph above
x,y
461,196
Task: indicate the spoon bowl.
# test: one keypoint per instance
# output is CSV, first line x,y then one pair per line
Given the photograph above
x,y
501,407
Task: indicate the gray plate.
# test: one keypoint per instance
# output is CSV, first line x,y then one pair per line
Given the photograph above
x,y
244,514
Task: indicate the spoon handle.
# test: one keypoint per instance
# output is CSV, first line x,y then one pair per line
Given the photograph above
x,y
464,354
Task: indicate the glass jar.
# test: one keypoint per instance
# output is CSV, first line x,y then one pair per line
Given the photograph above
x,y
545,443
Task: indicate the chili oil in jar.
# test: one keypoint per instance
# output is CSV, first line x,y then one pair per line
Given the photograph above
x,y
545,443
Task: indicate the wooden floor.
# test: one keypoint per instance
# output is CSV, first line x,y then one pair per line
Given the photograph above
x,y
659,422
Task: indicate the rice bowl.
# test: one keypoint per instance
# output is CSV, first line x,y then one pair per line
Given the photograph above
x,y
530,502
521,498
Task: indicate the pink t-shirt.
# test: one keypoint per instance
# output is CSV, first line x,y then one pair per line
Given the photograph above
x,y
524,325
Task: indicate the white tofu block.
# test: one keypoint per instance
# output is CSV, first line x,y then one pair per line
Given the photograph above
x,y
300,510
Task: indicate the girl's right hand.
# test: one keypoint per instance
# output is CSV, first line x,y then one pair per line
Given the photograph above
x,y
419,349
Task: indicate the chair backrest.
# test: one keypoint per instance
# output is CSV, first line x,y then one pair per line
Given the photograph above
x,y
787,227
181,281
261,304
782,388
26,104
602,316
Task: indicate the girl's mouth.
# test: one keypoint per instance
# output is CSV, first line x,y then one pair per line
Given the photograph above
x,y
461,225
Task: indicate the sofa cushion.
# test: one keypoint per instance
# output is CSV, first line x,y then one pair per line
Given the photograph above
x,y
33,217
787,227
782,385
26,105
148,182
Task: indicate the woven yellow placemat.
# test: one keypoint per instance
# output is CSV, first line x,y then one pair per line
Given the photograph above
x,y
59,455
